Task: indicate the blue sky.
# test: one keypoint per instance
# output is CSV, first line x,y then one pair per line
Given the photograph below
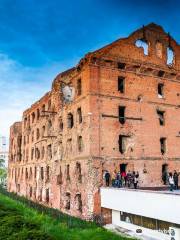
x,y
39,39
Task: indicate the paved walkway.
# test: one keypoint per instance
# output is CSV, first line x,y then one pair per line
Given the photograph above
x,y
176,192
127,233
156,190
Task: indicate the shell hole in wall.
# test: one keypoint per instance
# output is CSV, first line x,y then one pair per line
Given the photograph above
x,y
170,56
141,43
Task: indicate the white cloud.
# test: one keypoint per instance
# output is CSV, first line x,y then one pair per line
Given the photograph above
x,y
20,87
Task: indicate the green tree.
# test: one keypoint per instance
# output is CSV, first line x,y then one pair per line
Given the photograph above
x,y
3,173
2,162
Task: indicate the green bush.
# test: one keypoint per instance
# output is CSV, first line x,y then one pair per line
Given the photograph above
x,y
18,221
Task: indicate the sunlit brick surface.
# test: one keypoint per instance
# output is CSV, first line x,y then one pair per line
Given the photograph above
x,y
65,169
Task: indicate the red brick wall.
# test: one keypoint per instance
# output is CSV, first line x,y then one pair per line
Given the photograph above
x,y
100,127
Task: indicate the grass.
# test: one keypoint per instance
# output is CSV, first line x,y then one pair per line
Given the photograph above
x,y
21,222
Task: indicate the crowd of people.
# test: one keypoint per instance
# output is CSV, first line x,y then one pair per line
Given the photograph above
x,y
131,179
122,179
173,180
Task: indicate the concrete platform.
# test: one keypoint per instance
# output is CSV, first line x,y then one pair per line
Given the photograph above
x,y
127,233
164,190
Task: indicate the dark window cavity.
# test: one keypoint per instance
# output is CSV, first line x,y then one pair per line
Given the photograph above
x,y
79,114
122,114
42,173
68,201
70,120
47,195
121,65
160,90
163,145
161,73
79,87
78,202
121,84
67,172
80,144
161,117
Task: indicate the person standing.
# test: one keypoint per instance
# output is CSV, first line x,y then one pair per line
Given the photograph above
x,y
135,180
118,179
137,174
114,179
129,179
164,177
123,177
171,181
107,178
175,176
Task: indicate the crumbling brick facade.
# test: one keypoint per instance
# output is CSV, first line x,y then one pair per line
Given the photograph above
x,y
124,115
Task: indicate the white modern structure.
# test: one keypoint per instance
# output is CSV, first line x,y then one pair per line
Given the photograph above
x,y
152,212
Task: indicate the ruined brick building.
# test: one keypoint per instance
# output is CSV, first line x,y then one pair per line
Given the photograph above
x,y
119,108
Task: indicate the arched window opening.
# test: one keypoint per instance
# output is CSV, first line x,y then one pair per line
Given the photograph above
x,y
28,122
43,108
59,177
23,155
37,133
38,114
40,195
49,151
37,153
35,172
30,192
33,117
141,43
80,144
42,173
22,173
26,173
47,195
67,172
78,172
170,56
47,173
15,175
70,121
79,87
49,104
25,122
78,202
43,131
79,113
69,147
32,153
42,152
32,136
68,201
60,124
